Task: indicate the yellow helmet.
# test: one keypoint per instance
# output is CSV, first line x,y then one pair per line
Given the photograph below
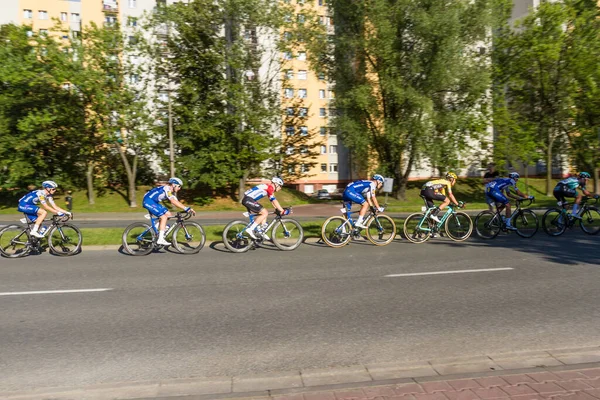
x,y
451,175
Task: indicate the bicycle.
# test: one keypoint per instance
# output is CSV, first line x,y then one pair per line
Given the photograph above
x,y
419,227
64,239
286,233
338,230
139,238
489,224
556,221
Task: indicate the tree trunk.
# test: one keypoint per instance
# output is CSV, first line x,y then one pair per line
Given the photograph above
x,y
596,180
89,174
549,183
527,179
242,186
130,175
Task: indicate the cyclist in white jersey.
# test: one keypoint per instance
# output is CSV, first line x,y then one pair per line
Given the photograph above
x,y
28,204
250,201
152,203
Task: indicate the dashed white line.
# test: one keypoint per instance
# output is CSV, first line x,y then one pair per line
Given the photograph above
x,y
55,292
461,271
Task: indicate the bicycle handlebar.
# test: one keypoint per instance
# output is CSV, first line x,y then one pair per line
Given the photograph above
x,y
524,199
587,199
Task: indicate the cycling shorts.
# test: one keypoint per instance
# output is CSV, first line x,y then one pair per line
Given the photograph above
x,y
497,196
156,209
251,205
350,196
430,194
561,191
488,199
29,210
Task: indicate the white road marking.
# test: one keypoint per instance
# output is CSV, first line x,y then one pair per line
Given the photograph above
x,y
55,291
462,271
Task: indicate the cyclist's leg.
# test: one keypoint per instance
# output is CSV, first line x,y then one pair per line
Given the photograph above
x,y
34,214
254,207
352,196
162,213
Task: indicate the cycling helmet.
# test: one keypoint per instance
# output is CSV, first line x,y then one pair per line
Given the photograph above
x,y
176,181
278,181
49,184
585,175
378,178
451,175
513,175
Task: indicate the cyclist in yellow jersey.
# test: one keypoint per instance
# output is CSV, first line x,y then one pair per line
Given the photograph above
x,y
436,190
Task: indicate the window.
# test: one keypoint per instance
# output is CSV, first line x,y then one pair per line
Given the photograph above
x,y
300,18
302,55
322,112
289,111
321,93
323,149
289,130
301,2
75,34
303,168
287,55
288,92
304,149
289,74
332,112
132,39
27,14
132,3
323,167
304,130
333,168
42,14
302,93
132,21
289,150
134,78
333,149
321,2
323,131
75,17
43,32
163,96
330,94
303,112
291,169
321,76
287,35
110,20
332,132
63,16
302,75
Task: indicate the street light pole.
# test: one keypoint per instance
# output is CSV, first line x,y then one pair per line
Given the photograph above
x,y
169,110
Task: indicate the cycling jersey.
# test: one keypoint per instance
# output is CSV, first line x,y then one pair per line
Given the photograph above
x,y
569,183
260,191
438,186
28,204
365,188
501,184
153,198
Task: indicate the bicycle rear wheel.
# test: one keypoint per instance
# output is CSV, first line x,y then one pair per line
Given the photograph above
x,y
14,241
65,240
381,230
526,223
487,224
413,228
459,226
188,238
590,221
287,234
138,239
554,222
236,238
336,232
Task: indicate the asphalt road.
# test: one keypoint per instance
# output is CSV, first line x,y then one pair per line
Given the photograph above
x,y
216,313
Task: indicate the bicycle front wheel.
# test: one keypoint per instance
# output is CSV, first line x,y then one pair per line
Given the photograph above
x,y
14,242
554,222
287,234
381,230
65,240
138,239
413,228
236,238
459,226
188,238
590,221
336,231
526,223
487,224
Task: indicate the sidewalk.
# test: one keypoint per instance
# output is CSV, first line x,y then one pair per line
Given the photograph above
x,y
565,374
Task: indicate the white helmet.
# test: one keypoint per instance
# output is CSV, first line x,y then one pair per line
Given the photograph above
x,y
278,181
49,184
513,175
176,181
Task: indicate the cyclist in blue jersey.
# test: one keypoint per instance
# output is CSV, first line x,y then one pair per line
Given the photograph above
x,y
363,192
250,201
28,204
152,202
499,190
568,188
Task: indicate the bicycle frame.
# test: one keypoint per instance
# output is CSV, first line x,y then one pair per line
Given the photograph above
x,y
154,222
518,207
438,225
585,205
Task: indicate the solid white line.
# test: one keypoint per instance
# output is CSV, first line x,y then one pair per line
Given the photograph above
x,y
54,292
462,271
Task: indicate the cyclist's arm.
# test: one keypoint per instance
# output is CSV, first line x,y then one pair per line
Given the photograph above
x,y
375,202
179,204
277,206
452,198
52,207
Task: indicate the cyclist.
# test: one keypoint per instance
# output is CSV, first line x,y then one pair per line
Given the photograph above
x,y
28,204
363,192
498,190
250,201
152,203
568,188
436,190
489,176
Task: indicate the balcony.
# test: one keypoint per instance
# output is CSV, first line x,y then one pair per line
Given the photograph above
x,y
110,6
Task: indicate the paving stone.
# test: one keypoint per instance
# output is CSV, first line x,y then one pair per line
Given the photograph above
x,y
572,385
437,386
592,382
578,358
569,375
574,396
461,384
593,392
262,382
319,396
354,394
517,390
547,387
536,396
380,391
516,379
396,371
544,377
318,377
591,373
491,381
409,388
490,393
451,369
430,396
297,396
465,394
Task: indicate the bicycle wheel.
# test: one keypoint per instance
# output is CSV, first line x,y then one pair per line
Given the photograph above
x,y
188,238
554,222
14,241
459,226
413,228
336,232
138,239
381,230
590,221
65,240
235,237
287,234
526,223
487,224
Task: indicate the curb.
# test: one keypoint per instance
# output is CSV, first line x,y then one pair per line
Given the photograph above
x,y
314,380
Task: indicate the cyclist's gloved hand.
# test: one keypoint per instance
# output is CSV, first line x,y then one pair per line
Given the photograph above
x,y
286,211
531,197
61,214
190,210
380,209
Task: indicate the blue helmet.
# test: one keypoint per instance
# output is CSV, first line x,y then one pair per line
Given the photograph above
x,y
378,178
49,184
585,175
176,181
